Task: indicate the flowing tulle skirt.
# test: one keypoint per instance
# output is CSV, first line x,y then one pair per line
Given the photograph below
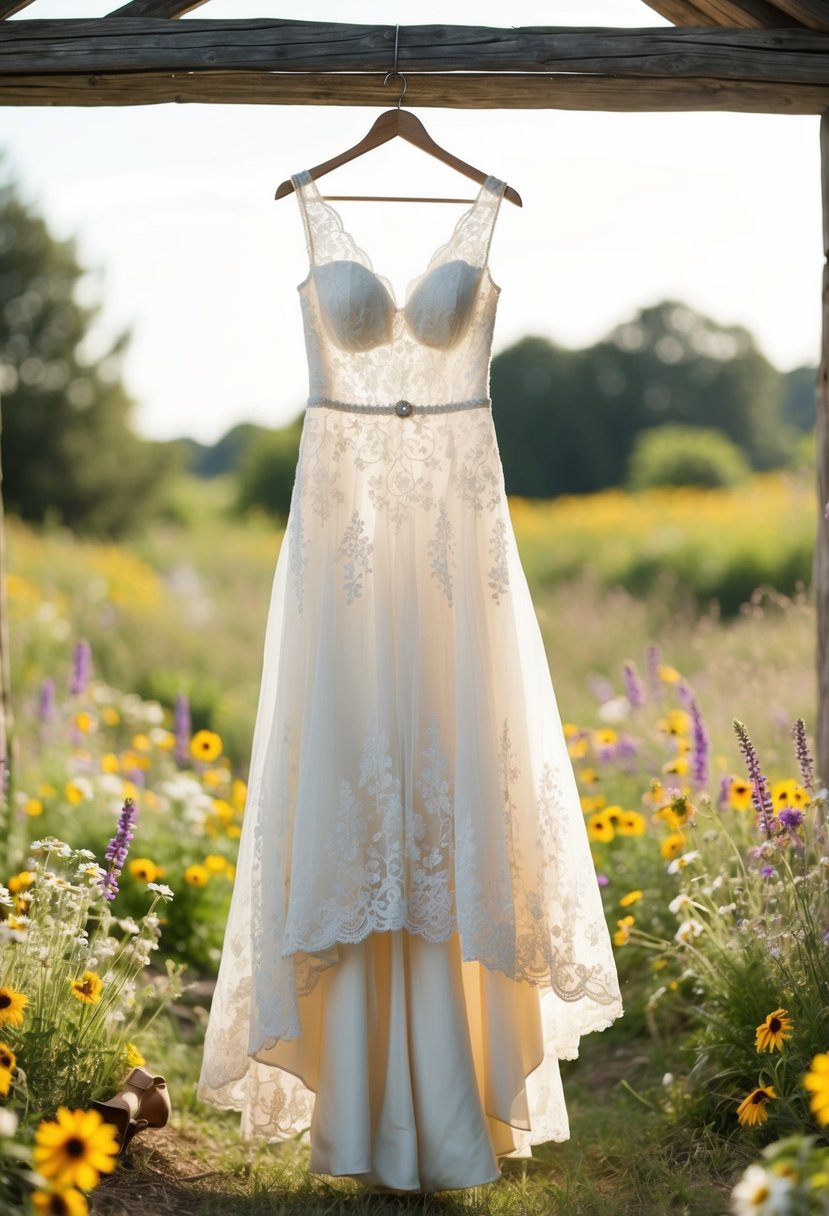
x,y
416,935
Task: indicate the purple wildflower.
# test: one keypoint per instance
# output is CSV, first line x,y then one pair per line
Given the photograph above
x,y
791,817
634,688
685,694
183,728
804,759
699,756
601,688
767,871
725,790
602,880
760,795
46,700
118,847
81,667
653,658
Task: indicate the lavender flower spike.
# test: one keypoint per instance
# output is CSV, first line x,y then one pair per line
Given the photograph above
x,y
654,661
183,728
804,759
118,848
760,795
634,688
699,759
46,700
81,667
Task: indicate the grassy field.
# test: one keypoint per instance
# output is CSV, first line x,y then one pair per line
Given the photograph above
x,y
152,612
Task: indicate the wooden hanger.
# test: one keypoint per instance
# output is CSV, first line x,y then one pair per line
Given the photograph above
x,y
403,123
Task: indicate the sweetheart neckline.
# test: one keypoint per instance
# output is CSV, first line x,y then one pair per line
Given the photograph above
x,y
387,283
384,282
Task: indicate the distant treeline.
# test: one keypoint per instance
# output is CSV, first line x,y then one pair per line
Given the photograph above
x,y
667,397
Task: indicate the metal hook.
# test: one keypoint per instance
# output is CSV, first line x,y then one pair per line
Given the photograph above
x,y
394,71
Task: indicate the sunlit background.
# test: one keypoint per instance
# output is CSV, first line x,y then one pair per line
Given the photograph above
x,y
174,212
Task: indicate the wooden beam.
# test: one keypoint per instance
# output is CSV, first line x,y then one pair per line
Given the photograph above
x,y
681,12
125,44
452,90
812,14
821,558
156,8
745,14
9,7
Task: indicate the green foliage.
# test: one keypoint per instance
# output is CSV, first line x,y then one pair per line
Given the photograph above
x,y
69,455
266,478
685,456
567,420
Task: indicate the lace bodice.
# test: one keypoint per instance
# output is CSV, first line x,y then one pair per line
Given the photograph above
x,y
362,347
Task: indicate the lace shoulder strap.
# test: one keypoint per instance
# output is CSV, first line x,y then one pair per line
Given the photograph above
x,y
472,236
326,238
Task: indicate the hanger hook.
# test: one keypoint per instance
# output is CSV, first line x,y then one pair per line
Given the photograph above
x,y
394,71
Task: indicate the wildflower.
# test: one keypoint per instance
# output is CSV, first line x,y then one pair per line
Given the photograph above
x,y
88,988
206,745
133,1056
602,880
12,1004
634,688
752,1109
699,769
622,934
679,863
116,853
81,668
790,817
239,793
215,863
77,790
817,1082
599,827
774,1031
767,871
760,1192
678,765
5,1082
679,902
630,823
671,845
788,793
182,727
110,715
196,875
6,900
76,1147
653,662
760,790
675,722
668,675
46,700
8,1059
66,1201
804,759
144,868
687,931
630,898
739,794
84,721
161,889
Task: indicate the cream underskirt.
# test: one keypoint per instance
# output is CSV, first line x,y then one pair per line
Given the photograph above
x,y
418,1063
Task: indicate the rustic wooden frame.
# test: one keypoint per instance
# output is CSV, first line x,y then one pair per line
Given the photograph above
x,y
751,56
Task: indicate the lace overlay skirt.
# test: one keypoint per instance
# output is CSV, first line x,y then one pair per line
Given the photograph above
x,y
409,787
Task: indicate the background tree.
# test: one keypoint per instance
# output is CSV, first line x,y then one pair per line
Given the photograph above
x,y
68,452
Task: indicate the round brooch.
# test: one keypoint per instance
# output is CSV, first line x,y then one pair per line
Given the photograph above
x,y
403,408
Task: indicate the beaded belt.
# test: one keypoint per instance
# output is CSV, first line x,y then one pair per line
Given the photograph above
x,y
402,408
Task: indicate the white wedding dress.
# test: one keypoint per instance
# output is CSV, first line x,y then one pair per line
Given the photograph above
x,y
416,935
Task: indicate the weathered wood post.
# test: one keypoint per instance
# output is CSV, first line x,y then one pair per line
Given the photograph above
x,y
6,722
821,563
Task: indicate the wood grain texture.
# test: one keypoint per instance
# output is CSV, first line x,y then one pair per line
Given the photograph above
x,y
821,556
681,12
9,7
127,44
156,8
745,14
455,91
812,14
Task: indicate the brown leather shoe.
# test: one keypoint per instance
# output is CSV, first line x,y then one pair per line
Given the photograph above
x,y
154,1100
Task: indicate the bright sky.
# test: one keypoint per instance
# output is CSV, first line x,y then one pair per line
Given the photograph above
x,y
173,209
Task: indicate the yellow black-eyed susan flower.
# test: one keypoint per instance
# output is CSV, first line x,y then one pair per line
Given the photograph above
x,y
75,1148
592,802
675,722
8,1059
752,1109
18,882
88,988
678,765
66,1201
774,1031
215,863
133,1056
5,1082
12,1004
630,898
739,794
788,793
197,875
206,745
33,806
599,827
817,1082
672,845
631,823
144,869
622,934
